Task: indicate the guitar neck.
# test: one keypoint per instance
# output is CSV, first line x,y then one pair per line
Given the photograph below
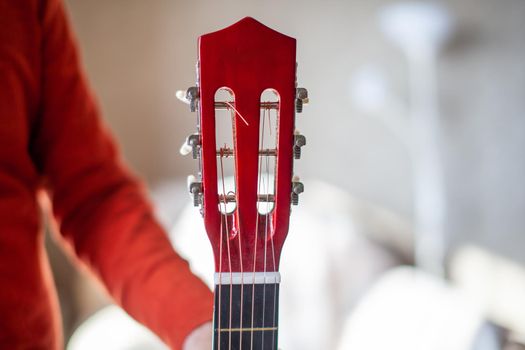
x,y
246,316
246,82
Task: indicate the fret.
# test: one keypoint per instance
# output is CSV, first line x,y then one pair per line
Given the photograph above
x,y
253,324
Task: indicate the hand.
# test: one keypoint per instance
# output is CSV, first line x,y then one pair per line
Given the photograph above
x,y
200,338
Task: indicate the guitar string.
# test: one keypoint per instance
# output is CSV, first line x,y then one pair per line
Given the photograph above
x,y
219,287
224,220
256,233
269,115
236,111
219,331
239,234
224,215
227,237
267,217
271,239
265,185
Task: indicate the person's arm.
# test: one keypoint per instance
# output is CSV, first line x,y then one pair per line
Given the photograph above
x,y
200,338
101,209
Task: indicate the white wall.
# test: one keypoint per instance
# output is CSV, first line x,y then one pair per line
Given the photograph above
x,y
138,53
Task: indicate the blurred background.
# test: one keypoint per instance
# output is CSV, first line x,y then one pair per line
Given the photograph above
x,y
415,154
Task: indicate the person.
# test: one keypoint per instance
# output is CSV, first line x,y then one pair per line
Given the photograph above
x,y
52,137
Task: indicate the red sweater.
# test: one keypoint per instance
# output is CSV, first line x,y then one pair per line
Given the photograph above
x,y
51,134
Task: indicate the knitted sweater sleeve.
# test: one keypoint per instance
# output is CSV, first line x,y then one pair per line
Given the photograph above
x,y
100,207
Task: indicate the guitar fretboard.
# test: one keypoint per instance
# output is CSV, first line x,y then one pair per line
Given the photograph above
x,y
245,317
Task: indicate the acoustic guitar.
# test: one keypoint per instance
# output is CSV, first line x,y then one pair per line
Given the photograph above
x,y
246,99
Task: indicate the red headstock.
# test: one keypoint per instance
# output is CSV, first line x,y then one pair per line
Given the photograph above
x,y
248,223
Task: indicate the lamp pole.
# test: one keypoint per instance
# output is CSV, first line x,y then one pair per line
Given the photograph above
x,y
419,29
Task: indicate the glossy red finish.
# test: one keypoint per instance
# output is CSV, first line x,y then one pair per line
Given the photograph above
x,y
247,58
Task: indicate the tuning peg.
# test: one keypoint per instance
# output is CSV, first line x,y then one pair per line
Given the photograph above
x,y
191,145
299,141
192,95
301,98
195,189
297,188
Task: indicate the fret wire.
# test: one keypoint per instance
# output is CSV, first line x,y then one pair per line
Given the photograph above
x,y
254,329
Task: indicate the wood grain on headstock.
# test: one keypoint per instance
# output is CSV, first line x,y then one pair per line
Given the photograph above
x,y
247,58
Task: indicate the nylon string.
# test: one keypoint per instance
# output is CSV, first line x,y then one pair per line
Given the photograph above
x,y
224,220
267,216
263,181
256,239
239,234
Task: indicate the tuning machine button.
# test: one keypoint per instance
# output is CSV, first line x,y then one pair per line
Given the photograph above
x,y
190,96
191,145
298,142
301,98
297,188
195,189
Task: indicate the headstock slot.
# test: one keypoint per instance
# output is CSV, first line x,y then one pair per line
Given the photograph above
x,y
268,126
225,145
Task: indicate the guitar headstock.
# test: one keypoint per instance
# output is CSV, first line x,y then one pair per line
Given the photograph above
x,y
246,100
